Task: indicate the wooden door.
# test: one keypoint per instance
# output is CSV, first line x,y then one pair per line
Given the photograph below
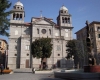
x,y
27,63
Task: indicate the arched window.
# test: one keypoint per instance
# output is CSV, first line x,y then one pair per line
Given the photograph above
x,y
14,16
68,20
16,32
20,16
50,31
37,31
63,20
17,16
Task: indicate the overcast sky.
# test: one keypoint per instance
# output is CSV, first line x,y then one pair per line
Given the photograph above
x,y
81,10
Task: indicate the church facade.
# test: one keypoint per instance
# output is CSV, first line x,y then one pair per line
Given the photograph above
x,y
23,34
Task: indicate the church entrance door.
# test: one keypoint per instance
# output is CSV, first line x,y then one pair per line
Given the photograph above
x,y
27,63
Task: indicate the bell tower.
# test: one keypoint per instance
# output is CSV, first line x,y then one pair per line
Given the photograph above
x,y
64,18
18,13
15,38
65,24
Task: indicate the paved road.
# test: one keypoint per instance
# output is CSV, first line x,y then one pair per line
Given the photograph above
x,y
27,76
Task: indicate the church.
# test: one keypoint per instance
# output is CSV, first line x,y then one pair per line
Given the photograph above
x,y
22,34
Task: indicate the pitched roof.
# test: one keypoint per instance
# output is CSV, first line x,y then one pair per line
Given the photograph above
x,y
93,22
41,17
47,19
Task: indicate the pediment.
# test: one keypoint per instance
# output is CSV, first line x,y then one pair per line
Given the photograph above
x,y
44,21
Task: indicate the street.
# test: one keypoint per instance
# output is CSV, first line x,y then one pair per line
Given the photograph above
x,y
27,76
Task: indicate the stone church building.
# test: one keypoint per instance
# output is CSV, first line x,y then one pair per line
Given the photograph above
x,y
23,34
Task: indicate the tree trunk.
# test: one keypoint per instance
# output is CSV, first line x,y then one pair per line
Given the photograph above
x,y
42,63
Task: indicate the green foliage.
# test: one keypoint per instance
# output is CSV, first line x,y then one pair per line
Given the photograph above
x,y
71,49
41,48
4,21
76,48
80,48
85,48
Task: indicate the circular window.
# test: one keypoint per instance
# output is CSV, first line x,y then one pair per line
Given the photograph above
x,y
27,54
43,31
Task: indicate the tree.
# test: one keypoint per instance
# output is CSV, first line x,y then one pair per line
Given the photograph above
x,y
72,51
71,48
41,48
81,52
4,21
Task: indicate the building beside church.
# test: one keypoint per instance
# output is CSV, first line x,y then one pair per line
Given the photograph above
x,y
94,31
23,34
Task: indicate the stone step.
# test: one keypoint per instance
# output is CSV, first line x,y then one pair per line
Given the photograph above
x,y
26,70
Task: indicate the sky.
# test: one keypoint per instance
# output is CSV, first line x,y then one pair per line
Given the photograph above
x,y
81,10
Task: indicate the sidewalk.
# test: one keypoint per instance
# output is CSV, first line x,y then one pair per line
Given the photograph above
x,y
29,70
